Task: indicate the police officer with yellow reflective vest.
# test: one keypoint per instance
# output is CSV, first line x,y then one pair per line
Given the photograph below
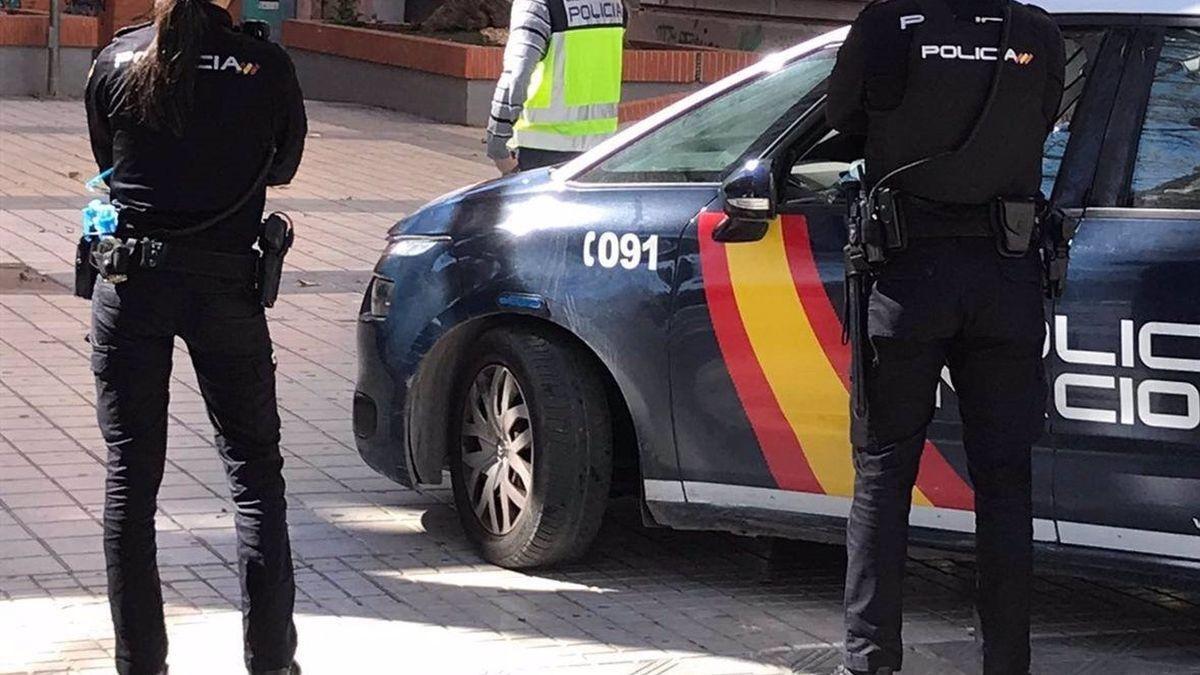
x,y
946,266
195,117
561,86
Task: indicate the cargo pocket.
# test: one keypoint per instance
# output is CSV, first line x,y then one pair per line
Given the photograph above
x,y
101,359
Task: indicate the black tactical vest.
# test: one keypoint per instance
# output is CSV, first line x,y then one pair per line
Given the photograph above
x,y
952,61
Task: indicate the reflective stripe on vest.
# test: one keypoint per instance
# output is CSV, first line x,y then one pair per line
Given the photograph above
x,y
576,90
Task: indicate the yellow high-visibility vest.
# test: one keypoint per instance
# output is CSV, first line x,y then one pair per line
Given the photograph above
x,y
576,90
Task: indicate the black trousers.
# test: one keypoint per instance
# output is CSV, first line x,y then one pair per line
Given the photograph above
x,y
956,303
134,324
533,158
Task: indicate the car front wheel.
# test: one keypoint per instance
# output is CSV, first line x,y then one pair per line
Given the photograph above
x,y
532,461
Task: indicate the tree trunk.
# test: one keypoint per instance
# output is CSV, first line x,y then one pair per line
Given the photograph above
x,y
468,15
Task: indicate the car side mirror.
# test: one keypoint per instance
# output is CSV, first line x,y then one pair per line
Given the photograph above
x,y
749,200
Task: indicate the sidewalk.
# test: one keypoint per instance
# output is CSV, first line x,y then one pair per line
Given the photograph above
x,y
386,580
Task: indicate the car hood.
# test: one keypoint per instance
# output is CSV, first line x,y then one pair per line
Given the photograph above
x,y
473,208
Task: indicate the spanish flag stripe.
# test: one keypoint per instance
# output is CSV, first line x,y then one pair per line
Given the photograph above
x,y
812,398
827,327
821,313
937,482
782,451
941,483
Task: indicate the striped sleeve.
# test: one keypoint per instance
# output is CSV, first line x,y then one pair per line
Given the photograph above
x,y
528,40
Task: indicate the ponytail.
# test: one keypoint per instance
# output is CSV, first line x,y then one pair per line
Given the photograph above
x,y
162,82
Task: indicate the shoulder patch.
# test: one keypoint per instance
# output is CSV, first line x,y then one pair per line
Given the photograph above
x,y
260,30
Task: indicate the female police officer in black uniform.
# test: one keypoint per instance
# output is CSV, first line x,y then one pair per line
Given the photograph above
x,y
195,118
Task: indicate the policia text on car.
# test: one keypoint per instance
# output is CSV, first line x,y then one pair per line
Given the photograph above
x,y
956,98
195,117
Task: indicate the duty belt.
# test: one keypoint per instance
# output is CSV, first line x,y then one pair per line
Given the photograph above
x,y
930,219
115,257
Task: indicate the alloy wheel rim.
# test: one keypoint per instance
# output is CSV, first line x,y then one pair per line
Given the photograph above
x,y
497,450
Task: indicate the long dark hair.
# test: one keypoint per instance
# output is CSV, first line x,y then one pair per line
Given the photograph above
x,y
162,82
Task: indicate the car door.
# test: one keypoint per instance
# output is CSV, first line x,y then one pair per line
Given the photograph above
x,y
667,175
759,368
1125,362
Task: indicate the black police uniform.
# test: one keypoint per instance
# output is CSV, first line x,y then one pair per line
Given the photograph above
x,y
247,109
914,77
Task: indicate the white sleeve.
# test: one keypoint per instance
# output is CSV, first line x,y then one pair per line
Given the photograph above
x,y
528,40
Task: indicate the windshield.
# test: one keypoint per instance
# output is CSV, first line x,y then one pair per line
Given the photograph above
x,y
703,145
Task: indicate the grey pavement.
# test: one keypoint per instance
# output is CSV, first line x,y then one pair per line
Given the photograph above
x,y
387,582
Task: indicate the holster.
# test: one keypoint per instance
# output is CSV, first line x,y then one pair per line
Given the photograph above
x,y
274,241
1057,232
113,258
876,221
887,212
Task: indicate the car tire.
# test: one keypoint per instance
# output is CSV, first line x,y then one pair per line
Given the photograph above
x,y
545,391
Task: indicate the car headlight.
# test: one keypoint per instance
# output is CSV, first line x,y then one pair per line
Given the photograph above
x,y
381,296
410,246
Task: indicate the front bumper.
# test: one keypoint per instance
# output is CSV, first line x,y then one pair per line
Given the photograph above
x,y
390,349
379,429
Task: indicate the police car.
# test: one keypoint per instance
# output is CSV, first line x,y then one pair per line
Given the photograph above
x,y
557,336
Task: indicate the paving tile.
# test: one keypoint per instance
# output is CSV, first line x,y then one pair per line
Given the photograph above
x,y
50,514
19,479
47,497
22,548
39,564
67,528
84,562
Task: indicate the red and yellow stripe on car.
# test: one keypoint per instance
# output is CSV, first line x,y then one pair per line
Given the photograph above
x,y
780,337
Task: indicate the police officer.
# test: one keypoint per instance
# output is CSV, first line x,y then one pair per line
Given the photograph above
x,y
956,98
195,117
561,86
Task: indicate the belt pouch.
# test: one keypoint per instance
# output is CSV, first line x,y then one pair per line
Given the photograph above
x,y
890,214
85,273
1013,224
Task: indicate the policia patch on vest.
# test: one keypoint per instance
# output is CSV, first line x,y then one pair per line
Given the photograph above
x,y
569,14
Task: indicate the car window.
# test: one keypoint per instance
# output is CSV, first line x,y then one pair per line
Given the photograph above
x,y
816,172
1082,45
1167,172
704,144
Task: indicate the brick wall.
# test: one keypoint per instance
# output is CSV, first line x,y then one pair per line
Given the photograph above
x,y
31,30
471,62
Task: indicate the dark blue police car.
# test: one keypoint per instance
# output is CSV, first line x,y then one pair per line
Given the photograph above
x,y
556,336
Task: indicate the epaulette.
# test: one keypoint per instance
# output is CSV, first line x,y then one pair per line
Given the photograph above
x,y
255,28
1035,8
879,5
129,29
874,4
1037,13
